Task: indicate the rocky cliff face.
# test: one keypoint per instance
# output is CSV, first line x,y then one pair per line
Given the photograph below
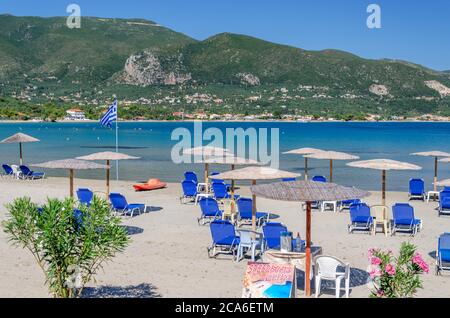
x,y
149,68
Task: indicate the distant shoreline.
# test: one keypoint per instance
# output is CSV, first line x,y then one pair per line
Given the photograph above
x,y
223,121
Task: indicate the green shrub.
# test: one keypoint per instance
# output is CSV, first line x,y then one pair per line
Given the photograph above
x,y
69,245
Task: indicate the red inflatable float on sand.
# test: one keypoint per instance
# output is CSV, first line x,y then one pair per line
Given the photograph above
x,y
152,184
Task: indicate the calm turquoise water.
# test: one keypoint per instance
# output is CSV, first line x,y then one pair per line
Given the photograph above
x,y
152,142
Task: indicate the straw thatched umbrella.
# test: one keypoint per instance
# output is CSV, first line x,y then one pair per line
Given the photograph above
x,y
383,165
19,138
331,155
307,191
233,162
107,156
71,165
207,152
303,152
436,155
253,174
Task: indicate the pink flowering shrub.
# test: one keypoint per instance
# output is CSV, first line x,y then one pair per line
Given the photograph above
x,y
396,277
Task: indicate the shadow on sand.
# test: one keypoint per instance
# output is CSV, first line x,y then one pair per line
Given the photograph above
x,y
138,291
132,230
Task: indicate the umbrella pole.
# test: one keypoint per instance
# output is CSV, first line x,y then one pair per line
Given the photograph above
x,y
331,170
308,251
253,208
306,169
71,182
232,185
107,179
206,176
20,151
435,173
383,188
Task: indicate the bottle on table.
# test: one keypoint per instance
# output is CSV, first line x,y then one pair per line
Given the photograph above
x,y
298,243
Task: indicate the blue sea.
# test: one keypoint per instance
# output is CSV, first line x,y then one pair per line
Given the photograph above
x,y
152,142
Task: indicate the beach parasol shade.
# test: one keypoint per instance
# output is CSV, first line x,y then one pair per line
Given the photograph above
x,y
383,165
436,154
206,152
331,155
303,152
253,174
107,156
443,183
307,191
232,161
19,138
71,165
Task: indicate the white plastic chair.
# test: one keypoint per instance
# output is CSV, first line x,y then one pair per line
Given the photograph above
x,y
16,171
249,240
327,269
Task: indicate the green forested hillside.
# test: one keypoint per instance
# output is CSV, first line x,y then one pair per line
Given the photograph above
x,y
42,60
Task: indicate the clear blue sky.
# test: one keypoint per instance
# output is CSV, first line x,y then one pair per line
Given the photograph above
x,y
413,30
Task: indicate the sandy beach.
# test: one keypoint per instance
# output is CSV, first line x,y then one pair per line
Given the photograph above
x,y
168,258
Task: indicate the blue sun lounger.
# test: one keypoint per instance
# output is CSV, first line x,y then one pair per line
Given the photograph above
x,y
210,211
190,176
360,217
245,207
8,170
119,204
224,239
220,191
85,196
272,235
345,205
404,220
220,180
444,203
443,254
26,173
189,190
319,179
417,189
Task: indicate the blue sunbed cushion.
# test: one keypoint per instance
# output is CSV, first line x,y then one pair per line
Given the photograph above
x,y
273,242
407,222
213,213
231,240
445,203
362,219
445,255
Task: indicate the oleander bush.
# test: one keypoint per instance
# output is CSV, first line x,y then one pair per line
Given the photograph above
x,y
69,243
396,277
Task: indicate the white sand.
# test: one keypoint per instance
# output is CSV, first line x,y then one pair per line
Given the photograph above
x,y
170,254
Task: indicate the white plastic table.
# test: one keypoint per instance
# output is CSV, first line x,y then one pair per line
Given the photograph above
x,y
434,194
333,204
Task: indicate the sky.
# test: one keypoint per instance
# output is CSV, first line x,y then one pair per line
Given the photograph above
x,y
413,30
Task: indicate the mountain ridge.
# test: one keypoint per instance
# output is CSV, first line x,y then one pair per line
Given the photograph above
x,y
41,59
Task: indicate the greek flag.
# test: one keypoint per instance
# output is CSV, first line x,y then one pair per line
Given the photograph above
x,y
110,116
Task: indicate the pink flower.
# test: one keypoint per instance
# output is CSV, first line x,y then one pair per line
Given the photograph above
x,y
375,261
375,272
390,269
371,252
418,260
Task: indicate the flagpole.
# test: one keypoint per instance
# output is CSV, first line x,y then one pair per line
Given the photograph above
x,y
117,140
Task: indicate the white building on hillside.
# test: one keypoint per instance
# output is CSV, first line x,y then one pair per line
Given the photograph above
x,y
75,114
